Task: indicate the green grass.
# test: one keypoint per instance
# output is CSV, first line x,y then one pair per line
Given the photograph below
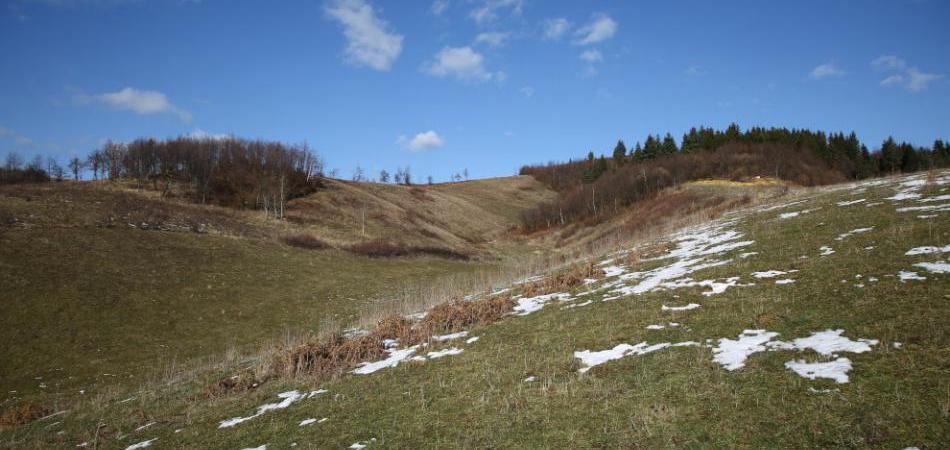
x,y
675,397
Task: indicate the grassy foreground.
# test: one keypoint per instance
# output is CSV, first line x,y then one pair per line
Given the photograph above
x,y
676,397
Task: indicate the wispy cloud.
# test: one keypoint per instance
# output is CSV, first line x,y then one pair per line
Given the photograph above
x,y
825,71
427,140
902,74
488,10
695,71
592,56
138,101
494,38
200,134
601,28
463,63
555,28
527,91
439,6
19,139
368,40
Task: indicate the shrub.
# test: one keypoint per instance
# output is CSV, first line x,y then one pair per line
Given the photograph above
x,y
305,241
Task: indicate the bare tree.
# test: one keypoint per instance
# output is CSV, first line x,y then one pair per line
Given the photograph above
x,y
429,179
358,174
465,174
383,176
76,166
14,161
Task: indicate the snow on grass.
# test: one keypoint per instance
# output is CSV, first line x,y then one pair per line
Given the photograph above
x,y
590,359
907,276
716,287
927,250
145,426
928,216
935,267
317,392
449,337
785,281
937,208
288,398
826,250
358,446
768,274
780,206
661,326
142,444
578,305
613,271
263,447
306,422
747,254
395,357
679,308
731,354
529,379
789,215
529,305
472,340
829,342
836,370
844,236
446,352
852,202
939,198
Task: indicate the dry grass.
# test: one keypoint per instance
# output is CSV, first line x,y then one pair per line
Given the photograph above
x,y
565,280
305,241
321,357
22,415
456,315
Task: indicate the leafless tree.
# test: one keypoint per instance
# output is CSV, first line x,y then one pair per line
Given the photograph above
x,y
76,166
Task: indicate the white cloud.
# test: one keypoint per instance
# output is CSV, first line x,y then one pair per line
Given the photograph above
x,y
909,78
527,91
141,102
19,139
488,11
200,134
439,6
493,38
695,71
555,28
426,140
600,29
462,63
825,71
890,62
368,41
592,56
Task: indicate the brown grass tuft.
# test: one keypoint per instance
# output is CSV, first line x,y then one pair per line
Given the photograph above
x,y
453,316
242,382
305,241
565,280
22,415
330,356
396,327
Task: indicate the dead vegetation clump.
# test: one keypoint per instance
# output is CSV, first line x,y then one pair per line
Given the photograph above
x,y
242,382
563,281
324,357
305,241
396,327
456,315
22,415
379,248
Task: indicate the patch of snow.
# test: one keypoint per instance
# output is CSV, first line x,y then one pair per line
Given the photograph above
x,y
529,305
785,281
826,250
395,357
679,308
768,274
928,216
716,287
829,342
577,305
529,379
317,392
447,352
844,236
612,271
836,370
789,215
449,337
939,198
358,446
906,276
747,254
938,208
897,345
592,359
935,267
731,354
852,202
288,397
306,422
927,250
145,426
656,327
142,444
471,340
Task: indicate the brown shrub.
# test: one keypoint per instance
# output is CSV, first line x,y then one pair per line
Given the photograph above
x,y
23,414
453,316
305,241
329,356
243,381
564,280
379,248
396,327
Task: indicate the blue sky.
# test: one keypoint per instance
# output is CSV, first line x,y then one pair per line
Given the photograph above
x,y
485,85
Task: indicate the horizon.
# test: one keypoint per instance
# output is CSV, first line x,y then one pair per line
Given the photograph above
x,y
446,86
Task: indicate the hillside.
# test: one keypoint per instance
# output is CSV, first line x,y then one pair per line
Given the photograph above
x,y
814,320
105,286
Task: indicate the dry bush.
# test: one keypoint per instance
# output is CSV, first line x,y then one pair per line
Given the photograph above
x,y
396,327
456,315
305,241
321,357
564,280
243,381
23,414
379,248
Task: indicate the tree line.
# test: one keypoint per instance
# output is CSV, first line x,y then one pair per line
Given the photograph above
x,y
600,185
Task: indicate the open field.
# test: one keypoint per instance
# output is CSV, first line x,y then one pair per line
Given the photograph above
x,y
603,365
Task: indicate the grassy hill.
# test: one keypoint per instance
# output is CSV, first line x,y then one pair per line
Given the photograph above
x,y
106,286
816,320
